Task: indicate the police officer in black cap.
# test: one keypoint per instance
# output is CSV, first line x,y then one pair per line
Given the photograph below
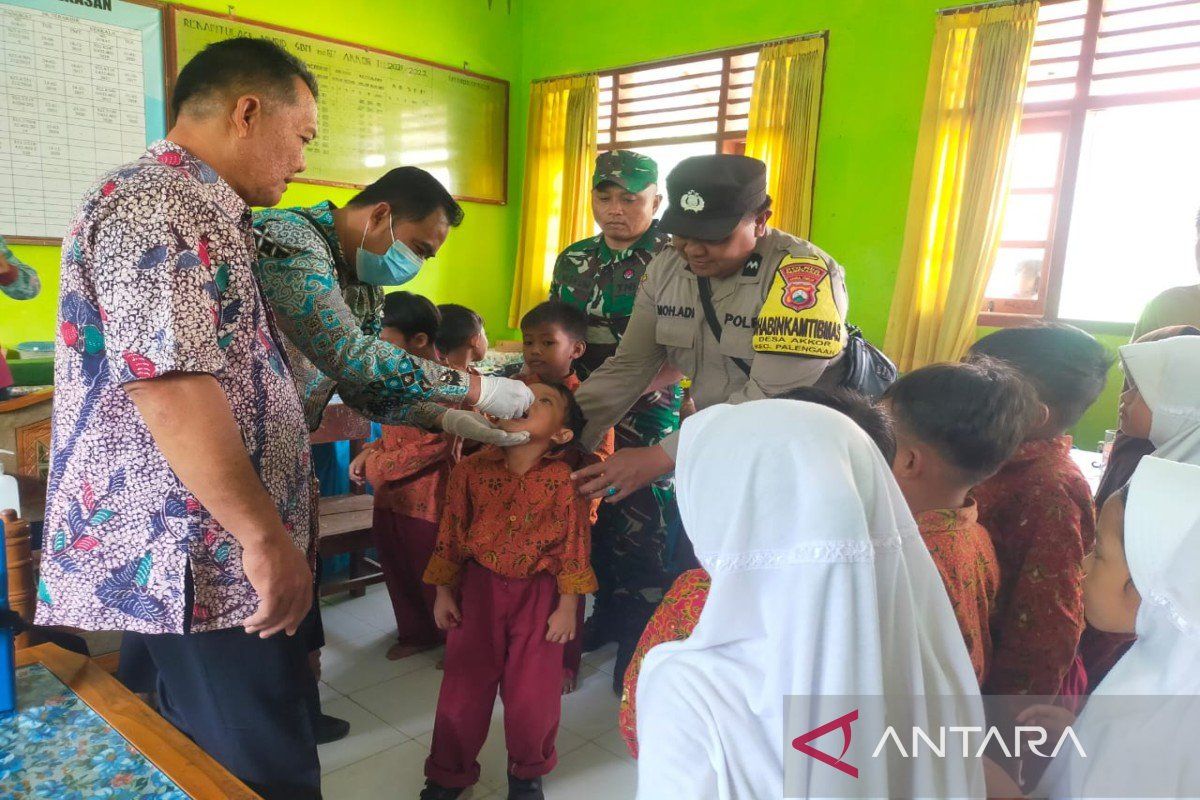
x,y
744,310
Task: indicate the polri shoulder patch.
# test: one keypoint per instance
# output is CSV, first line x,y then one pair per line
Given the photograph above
x,y
799,316
753,265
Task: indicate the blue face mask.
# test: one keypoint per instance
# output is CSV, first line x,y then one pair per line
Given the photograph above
x,y
399,264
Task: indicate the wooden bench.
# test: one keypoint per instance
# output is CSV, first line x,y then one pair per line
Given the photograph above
x,y
345,527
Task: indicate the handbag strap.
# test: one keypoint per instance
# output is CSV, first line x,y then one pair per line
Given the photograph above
x,y
710,314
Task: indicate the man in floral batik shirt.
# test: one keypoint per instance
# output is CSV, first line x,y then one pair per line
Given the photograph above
x,y
179,502
600,275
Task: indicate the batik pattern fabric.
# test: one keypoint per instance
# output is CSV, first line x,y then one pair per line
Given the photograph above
x,y
629,540
332,321
408,469
1038,510
673,621
23,283
965,558
55,747
157,278
514,525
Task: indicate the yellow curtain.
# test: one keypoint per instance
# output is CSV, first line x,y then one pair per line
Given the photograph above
x,y
971,117
555,207
785,108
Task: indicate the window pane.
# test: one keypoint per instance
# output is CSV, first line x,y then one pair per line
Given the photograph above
x,y
1151,60
1052,11
740,92
665,103
1055,70
1027,217
745,60
1142,84
1059,30
1062,50
1119,43
655,89
1046,94
1132,224
739,124
662,132
667,117
1035,160
668,157
1016,274
1165,15
672,71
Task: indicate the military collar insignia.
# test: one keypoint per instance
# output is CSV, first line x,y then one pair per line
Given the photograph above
x,y
753,264
692,201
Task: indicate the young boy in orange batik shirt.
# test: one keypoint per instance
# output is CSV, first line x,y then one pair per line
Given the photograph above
x,y
511,565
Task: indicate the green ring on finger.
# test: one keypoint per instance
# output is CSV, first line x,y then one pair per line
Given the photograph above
x,y
613,491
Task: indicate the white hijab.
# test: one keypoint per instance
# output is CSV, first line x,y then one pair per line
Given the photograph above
x,y
1131,739
821,586
1167,373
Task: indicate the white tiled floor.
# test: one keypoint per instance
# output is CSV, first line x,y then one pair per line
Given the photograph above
x,y
390,705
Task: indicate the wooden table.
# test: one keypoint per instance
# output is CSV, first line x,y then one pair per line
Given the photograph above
x,y
345,524
192,770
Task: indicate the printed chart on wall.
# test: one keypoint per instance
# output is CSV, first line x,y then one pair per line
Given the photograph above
x,y
380,110
81,92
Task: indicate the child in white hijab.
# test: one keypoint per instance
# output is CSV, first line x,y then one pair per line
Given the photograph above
x,y
821,586
1162,403
1140,727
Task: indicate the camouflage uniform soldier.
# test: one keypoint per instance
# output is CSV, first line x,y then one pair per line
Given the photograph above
x,y
601,276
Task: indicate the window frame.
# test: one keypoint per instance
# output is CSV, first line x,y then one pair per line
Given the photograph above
x,y
724,140
1007,312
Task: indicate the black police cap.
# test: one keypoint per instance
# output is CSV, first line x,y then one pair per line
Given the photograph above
x,y
707,196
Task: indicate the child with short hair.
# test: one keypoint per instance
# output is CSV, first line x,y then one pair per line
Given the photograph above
x,y
1140,578
461,338
955,425
1038,509
510,566
677,615
408,469
553,338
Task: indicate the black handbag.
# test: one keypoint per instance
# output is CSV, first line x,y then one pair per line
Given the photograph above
x,y
868,371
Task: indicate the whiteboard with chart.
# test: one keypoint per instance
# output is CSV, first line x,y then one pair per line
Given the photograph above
x,y
379,110
81,92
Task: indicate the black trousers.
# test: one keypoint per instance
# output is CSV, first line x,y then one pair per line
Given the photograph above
x,y
247,702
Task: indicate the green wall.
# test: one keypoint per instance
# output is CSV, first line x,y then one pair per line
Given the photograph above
x,y
874,83
475,266
875,76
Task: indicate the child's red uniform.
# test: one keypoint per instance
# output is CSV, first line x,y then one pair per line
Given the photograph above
x,y
966,559
573,650
408,469
512,544
1038,509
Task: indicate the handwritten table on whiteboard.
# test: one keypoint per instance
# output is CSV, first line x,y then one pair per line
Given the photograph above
x,y
73,106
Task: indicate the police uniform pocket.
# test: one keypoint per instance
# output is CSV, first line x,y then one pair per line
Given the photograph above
x,y
675,333
678,337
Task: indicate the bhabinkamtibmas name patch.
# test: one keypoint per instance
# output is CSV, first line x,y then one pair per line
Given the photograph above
x,y
799,316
